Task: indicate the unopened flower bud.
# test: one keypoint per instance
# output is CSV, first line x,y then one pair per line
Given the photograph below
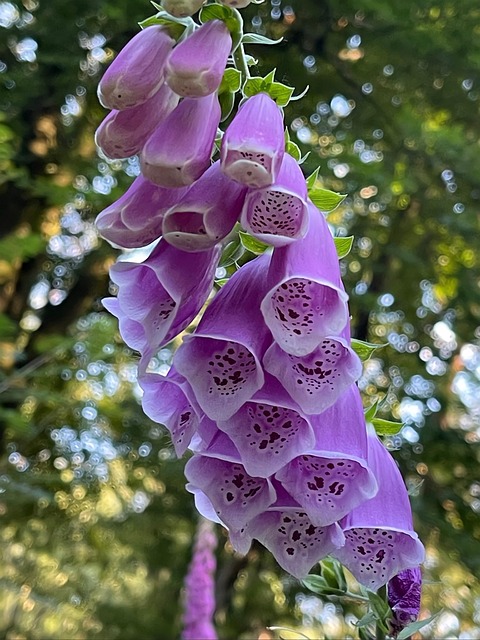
x,y
137,71
182,8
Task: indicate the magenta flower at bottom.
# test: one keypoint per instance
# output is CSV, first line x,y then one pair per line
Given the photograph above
x,y
404,594
199,588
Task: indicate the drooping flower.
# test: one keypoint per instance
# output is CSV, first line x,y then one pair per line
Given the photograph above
x,y
404,594
315,381
307,300
196,65
253,145
179,150
199,587
159,297
269,430
182,8
236,496
379,537
278,214
136,219
333,477
206,214
123,133
138,70
295,542
169,400
222,359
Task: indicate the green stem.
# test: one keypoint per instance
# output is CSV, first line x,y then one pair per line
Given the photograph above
x,y
379,632
241,62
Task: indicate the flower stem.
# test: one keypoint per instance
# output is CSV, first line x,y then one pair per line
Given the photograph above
x,y
241,62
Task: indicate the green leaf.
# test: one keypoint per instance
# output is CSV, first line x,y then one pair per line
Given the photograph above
x,y
343,246
231,17
232,252
371,412
227,102
176,26
231,81
312,178
364,350
324,199
256,38
367,619
386,427
252,244
294,150
379,605
416,626
316,584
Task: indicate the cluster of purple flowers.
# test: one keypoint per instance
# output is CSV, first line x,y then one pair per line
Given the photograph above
x,y
263,390
199,587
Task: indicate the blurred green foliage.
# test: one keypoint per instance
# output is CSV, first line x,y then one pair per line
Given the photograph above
x,y
97,526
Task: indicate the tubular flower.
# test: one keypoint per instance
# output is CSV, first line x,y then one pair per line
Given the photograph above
x,y
315,381
199,587
179,150
196,65
136,219
222,359
333,477
307,300
235,496
158,298
206,214
379,537
278,214
182,8
253,145
123,133
137,71
169,400
404,595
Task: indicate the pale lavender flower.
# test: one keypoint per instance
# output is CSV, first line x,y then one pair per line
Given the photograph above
x,y
253,144
123,133
196,65
278,214
379,537
179,150
138,70
199,587
206,214
306,301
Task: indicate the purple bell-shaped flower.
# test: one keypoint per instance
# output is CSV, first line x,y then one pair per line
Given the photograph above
x,y
159,297
253,145
136,219
379,537
179,150
206,214
307,300
404,594
196,65
222,359
138,70
278,214
333,477
123,133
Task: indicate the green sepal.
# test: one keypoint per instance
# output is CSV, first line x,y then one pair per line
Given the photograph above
x,y
231,81
252,244
333,573
318,584
312,178
416,626
177,27
371,412
343,245
231,17
281,93
324,199
366,620
232,252
227,102
386,427
292,148
256,38
364,350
